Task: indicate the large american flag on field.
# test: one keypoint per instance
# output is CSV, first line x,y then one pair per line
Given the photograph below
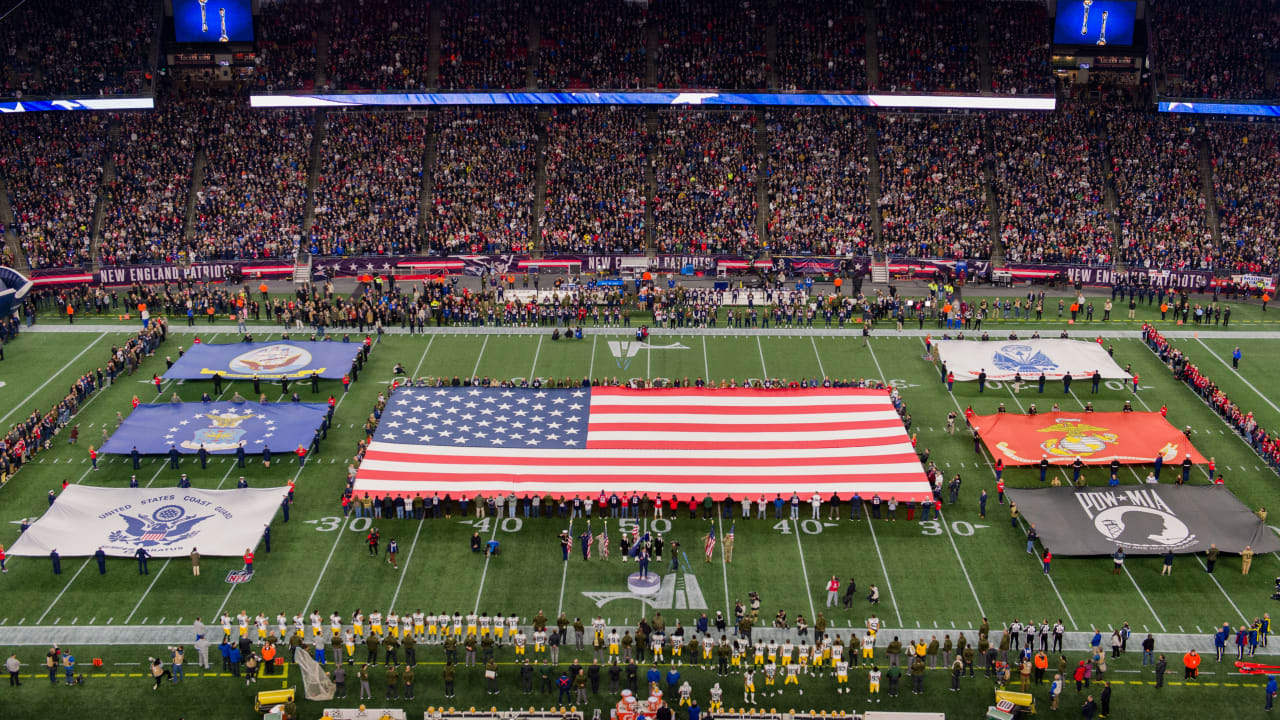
x,y
683,442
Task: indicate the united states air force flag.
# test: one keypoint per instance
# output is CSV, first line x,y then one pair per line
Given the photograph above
x,y
219,427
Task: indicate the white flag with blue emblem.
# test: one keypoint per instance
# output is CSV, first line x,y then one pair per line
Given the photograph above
x,y
165,522
1004,359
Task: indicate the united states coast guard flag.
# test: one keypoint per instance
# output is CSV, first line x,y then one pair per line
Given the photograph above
x,y
218,427
682,442
167,523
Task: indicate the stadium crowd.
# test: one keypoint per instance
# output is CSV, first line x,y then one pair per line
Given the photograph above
x,y
369,184
1217,50
1019,48
286,58
483,181
68,47
52,165
380,45
928,46
706,168
595,181
932,197
817,181
593,44
146,200
1248,195
1048,186
251,202
1156,165
822,46
711,44
484,45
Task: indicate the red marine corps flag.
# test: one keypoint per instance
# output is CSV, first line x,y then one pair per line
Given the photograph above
x,y
1097,438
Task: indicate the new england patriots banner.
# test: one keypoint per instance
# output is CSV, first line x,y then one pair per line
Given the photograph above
x,y
165,522
218,427
1004,359
267,360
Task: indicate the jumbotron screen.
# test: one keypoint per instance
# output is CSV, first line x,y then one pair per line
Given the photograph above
x,y
1095,22
211,21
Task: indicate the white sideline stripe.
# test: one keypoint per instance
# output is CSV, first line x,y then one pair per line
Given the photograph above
x,y
51,378
803,568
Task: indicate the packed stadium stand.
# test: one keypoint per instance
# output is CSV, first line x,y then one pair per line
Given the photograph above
x,y
1102,179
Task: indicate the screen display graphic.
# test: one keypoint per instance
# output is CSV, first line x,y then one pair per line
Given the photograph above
x,y
211,21
1103,23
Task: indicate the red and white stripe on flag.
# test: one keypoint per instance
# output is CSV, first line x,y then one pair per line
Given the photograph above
x,y
682,442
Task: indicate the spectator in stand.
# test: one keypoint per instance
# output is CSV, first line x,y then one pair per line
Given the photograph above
x,y
1218,49
369,185
72,47
146,206
706,170
484,181
1019,35
1247,188
250,204
711,44
287,32
1156,163
380,45
1048,182
52,164
928,45
484,45
817,174
932,199
595,166
822,46
592,44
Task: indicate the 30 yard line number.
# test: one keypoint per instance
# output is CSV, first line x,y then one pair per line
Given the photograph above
x,y
959,527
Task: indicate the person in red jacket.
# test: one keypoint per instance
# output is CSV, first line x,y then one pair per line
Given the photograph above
x,y
1048,558
833,591
1000,491
93,457
248,560
302,455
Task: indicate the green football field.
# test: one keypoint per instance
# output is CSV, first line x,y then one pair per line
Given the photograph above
x,y
937,577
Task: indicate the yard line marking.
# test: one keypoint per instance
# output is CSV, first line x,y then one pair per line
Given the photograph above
x,y
724,566
564,574
1148,603
424,356
819,356
706,366
409,559
1227,365
487,558
884,569
341,530
950,537
591,367
148,592
51,379
483,345
536,351
807,590
763,368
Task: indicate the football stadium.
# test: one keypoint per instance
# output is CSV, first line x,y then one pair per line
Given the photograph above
x,y
496,360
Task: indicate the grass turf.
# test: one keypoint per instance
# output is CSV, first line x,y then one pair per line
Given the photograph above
x,y
939,577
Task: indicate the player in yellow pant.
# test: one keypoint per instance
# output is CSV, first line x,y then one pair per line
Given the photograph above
x,y
873,683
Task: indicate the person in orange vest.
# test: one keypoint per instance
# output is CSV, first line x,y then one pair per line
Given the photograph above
x,y
1192,663
71,314
263,289
248,560
1041,664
